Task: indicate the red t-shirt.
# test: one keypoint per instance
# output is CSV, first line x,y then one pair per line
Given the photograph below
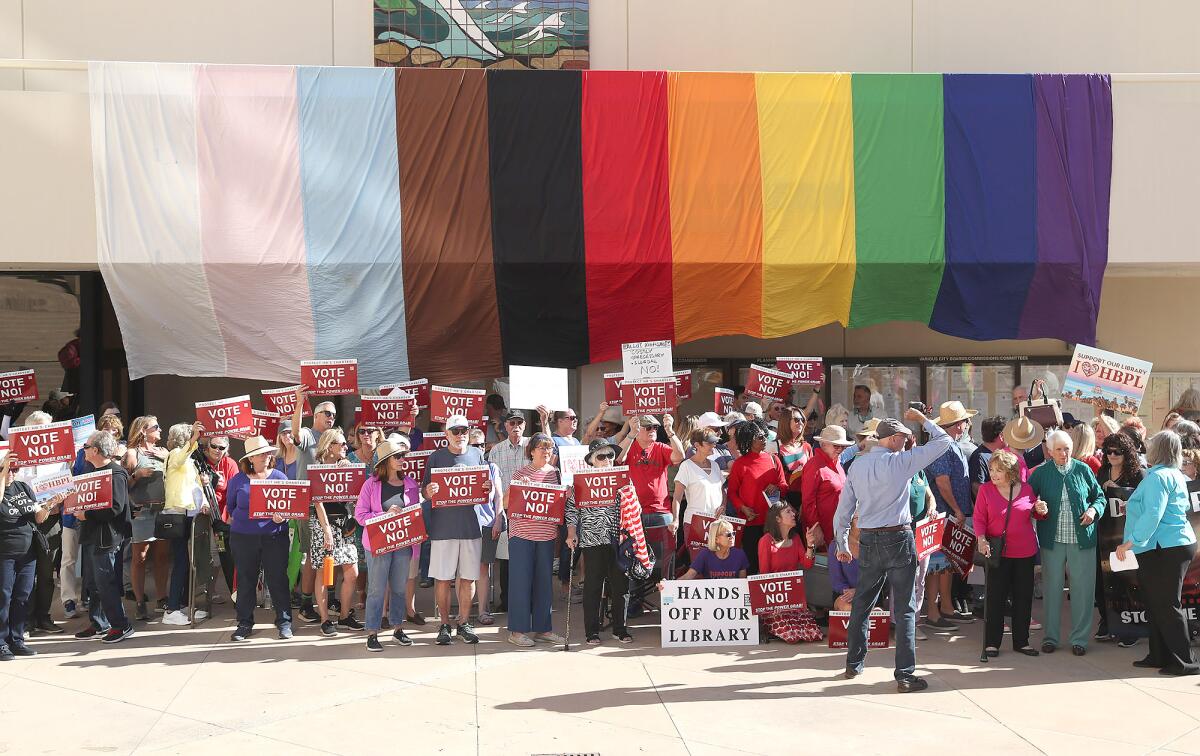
x,y
648,473
749,476
772,558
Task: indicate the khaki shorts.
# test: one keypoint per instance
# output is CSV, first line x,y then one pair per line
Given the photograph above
x,y
456,557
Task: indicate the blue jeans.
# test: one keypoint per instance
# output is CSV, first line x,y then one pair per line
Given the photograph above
x,y
530,585
387,573
16,586
181,571
885,557
102,584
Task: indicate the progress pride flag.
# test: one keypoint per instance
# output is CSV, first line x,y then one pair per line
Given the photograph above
x,y
330,377
395,529
92,491
283,401
42,444
329,483
777,590
389,411
18,386
540,502
279,497
598,486
445,401
459,486
226,417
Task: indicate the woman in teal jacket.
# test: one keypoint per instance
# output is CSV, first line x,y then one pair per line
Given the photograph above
x,y
1073,502
1158,532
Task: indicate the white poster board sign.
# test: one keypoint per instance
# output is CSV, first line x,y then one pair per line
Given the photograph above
x,y
646,359
533,386
697,613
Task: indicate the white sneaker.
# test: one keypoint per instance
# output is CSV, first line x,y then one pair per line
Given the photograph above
x,y
201,614
919,635
176,617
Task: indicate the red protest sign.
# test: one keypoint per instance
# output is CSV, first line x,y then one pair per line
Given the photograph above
x,y
649,396
539,502
929,535
418,388
18,386
226,417
599,486
697,532
805,371
459,486
288,498
415,463
92,491
612,388
389,411
266,424
330,483
395,529
283,401
330,377
769,384
445,401
777,590
683,384
434,441
42,444
879,628
958,544
723,401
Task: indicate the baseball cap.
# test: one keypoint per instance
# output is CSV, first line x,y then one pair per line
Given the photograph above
x,y
513,414
710,420
753,408
890,426
58,394
457,421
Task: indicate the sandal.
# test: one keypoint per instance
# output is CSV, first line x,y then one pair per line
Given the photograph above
x,y
593,640
625,638
486,619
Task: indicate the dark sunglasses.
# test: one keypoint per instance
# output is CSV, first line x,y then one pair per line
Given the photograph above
x,y
458,431
214,447
331,413
365,431
605,455
477,446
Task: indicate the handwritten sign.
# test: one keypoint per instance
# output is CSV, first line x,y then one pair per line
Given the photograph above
x,y
330,483
723,399
266,423
287,498
929,535
395,529
650,396
390,411
48,486
805,371
82,429
646,359
226,417
42,444
459,486
1106,380
538,502
92,491
774,591
879,628
282,401
445,402
697,532
415,463
330,377
612,388
707,613
418,388
769,384
18,386
683,384
958,544
599,486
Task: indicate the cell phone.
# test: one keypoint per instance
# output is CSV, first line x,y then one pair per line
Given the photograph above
x,y
918,406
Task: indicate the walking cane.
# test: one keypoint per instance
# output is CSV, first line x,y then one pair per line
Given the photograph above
x,y
192,575
570,588
983,657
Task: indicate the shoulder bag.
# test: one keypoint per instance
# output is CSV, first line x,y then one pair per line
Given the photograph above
x,y
996,543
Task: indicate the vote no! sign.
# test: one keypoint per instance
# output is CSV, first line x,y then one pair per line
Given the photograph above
x,y
226,417
459,486
769,384
266,424
418,388
777,590
389,411
879,625
18,386
395,529
538,502
92,491
649,396
330,377
42,444
599,486
612,388
283,401
288,498
445,402
415,463
329,483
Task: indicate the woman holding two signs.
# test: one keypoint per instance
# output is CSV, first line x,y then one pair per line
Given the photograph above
x,y
20,512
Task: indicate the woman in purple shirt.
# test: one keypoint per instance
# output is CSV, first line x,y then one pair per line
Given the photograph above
x,y
721,559
257,543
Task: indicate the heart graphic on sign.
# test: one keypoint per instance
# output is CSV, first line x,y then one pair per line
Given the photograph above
x,y
1089,368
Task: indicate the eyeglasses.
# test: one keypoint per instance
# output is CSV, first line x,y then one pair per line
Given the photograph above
x,y
214,447
724,534
337,443
544,448
365,431
153,427
458,431
605,455
515,423
1113,453
569,417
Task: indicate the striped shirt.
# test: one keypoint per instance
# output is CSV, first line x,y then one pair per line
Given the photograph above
x,y
533,530
601,526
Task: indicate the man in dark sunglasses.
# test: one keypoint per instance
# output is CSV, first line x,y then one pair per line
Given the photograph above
x,y
223,469
324,418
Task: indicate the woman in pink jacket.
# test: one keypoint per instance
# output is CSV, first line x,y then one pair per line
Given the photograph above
x,y
387,488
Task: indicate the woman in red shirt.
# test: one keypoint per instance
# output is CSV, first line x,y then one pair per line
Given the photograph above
x,y
781,550
753,477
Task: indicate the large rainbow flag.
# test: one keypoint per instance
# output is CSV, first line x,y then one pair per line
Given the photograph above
x,y
446,223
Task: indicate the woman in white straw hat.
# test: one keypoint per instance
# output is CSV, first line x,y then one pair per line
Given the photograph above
x,y
821,483
257,544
